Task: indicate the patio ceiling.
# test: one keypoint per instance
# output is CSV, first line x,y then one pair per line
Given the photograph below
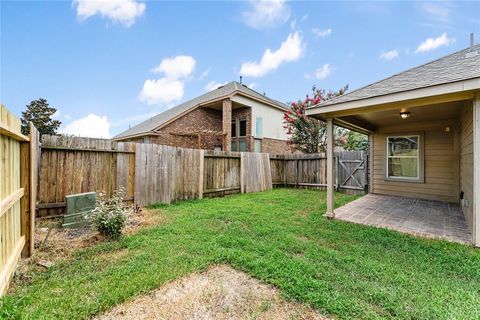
x,y
369,120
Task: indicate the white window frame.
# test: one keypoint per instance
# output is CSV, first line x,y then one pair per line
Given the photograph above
x,y
420,158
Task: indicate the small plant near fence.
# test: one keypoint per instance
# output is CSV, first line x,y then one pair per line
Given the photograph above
x,y
110,214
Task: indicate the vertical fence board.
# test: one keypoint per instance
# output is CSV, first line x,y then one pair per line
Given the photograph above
x,y
17,161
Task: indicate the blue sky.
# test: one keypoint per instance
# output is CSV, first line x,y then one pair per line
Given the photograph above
x,y
108,65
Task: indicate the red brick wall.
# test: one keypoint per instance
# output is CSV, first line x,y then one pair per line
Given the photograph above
x,y
194,121
274,146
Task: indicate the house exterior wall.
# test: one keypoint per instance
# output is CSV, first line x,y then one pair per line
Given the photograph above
x,y
466,162
441,162
274,146
272,118
198,119
273,135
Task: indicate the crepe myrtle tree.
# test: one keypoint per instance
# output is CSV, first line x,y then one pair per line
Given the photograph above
x,y
306,134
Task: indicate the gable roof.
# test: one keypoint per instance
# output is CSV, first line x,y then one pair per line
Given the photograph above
x,y
458,66
227,90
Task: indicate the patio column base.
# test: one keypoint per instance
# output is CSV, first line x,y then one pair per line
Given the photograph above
x,y
329,215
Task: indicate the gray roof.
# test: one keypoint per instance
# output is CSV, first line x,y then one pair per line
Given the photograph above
x,y
151,124
458,66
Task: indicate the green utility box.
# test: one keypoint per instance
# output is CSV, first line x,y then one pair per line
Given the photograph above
x,y
77,206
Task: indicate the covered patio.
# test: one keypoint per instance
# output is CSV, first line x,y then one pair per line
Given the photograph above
x,y
424,218
423,127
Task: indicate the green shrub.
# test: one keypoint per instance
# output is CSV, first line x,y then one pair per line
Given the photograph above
x,y
110,215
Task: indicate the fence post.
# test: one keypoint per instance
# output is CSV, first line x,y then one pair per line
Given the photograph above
x,y
242,172
25,200
201,173
296,171
336,172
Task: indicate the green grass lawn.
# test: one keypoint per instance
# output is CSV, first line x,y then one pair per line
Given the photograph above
x,y
281,237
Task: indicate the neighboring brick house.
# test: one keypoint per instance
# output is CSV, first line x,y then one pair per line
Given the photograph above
x,y
231,117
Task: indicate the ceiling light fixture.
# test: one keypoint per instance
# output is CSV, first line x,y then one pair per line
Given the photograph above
x,y
405,115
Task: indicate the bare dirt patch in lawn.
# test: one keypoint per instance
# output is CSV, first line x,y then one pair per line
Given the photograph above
x,y
221,292
61,243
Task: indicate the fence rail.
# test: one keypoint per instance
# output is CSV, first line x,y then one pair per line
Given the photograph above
x,y
17,193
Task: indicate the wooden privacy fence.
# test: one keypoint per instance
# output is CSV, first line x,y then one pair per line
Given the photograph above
x,y
150,173
166,174
18,165
71,165
310,170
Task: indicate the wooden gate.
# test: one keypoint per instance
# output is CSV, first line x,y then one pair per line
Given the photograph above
x,y
351,170
310,171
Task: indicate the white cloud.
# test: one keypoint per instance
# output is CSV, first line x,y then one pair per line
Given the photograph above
x,y
176,67
122,11
252,85
212,85
168,89
323,72
92,125
389,55
293,24
434,43
290,50
162,91
437,12
204,74
266,13
322,33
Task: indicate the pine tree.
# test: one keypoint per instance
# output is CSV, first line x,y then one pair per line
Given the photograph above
x,y
40,114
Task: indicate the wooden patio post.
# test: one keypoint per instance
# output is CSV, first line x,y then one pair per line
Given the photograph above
x,y
330,211
476,170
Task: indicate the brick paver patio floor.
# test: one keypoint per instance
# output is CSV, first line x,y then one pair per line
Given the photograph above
x,y
430,219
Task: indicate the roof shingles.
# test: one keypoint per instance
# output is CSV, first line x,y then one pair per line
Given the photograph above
x,y
458,66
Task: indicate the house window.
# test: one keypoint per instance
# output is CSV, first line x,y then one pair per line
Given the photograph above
x,y
242,132
234,128
258,145
239,133
258,127
239,128
239,144
404,158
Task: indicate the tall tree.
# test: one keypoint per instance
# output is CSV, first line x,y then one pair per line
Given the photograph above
x,y
306,134
40,114
355,141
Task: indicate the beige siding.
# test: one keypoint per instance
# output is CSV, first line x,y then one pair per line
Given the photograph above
x,y
441,162
466,162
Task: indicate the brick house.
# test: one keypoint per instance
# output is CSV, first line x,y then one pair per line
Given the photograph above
x,y
232,117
